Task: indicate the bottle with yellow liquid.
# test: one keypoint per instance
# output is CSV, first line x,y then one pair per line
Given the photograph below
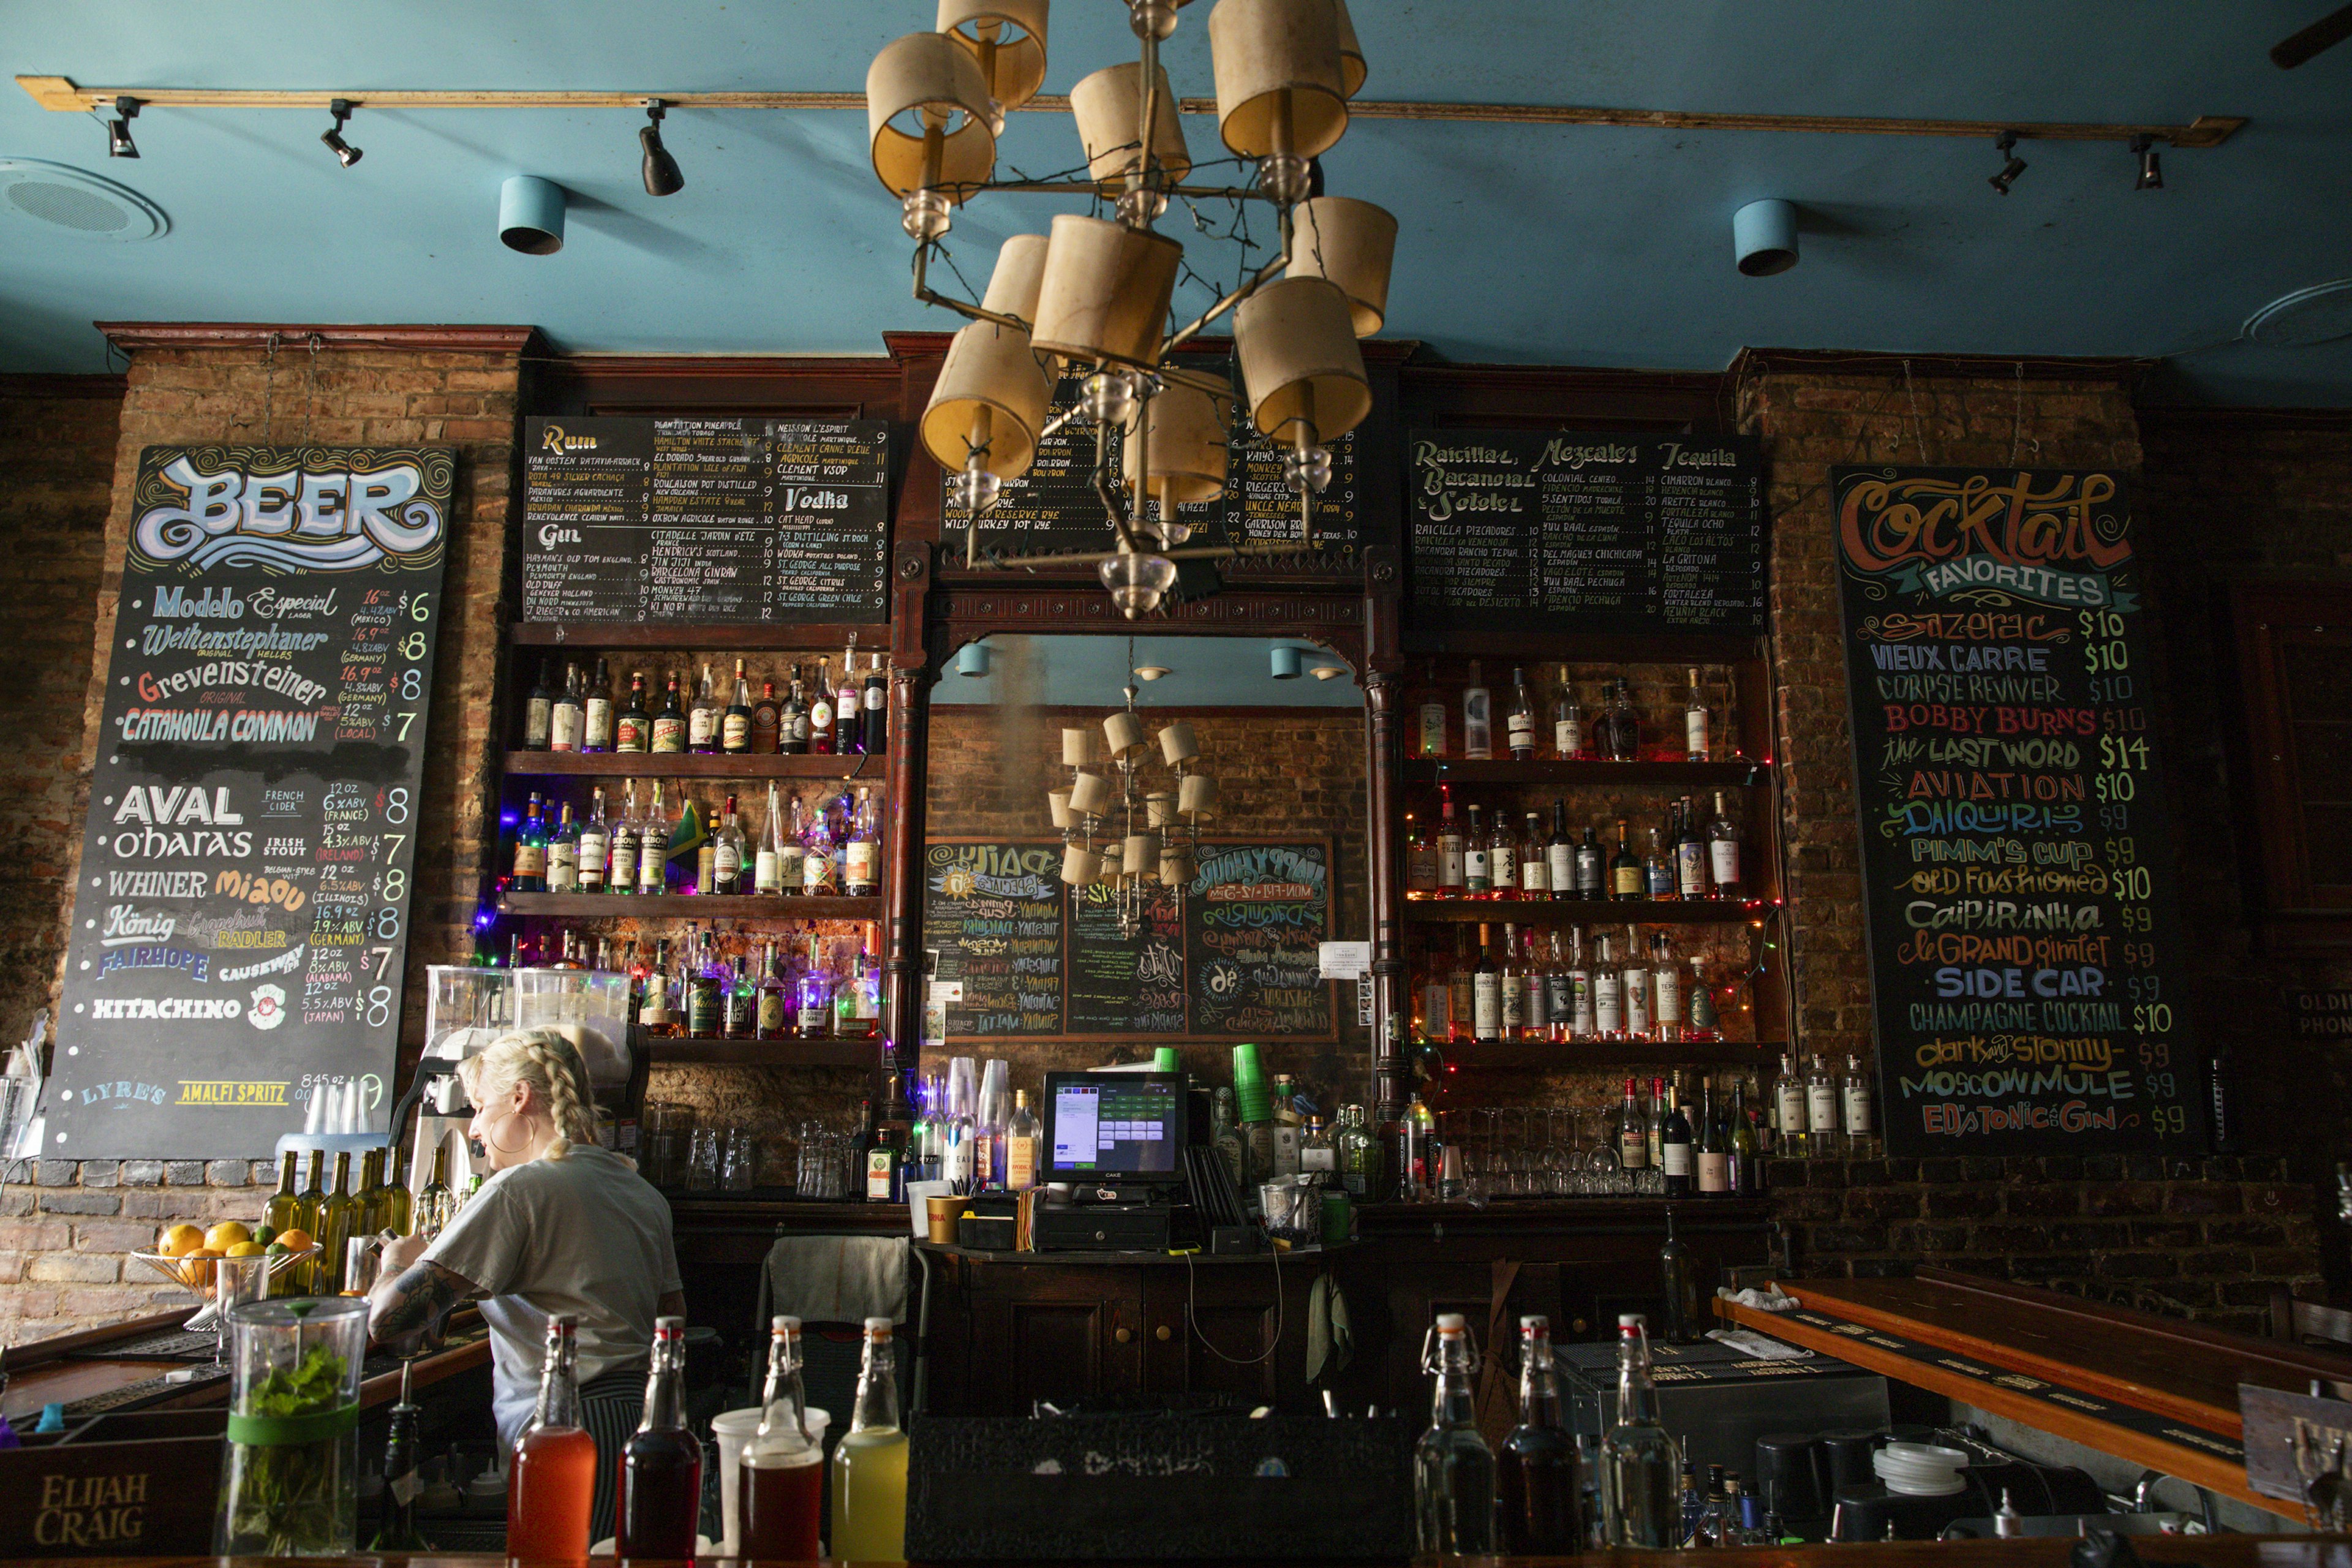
x,y
869,1464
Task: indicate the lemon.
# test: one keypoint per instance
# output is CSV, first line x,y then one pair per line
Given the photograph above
x,y
245,1250
225,1234
179,1241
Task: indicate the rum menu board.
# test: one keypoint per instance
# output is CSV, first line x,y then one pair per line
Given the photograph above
x,y
2018,868
1568,531
705,521
1234,953
242,912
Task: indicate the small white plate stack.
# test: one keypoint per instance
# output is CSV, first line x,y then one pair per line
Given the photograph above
x,y
1920,1469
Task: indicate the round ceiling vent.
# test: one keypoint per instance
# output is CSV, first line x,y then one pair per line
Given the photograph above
x,y
78,202
2319,314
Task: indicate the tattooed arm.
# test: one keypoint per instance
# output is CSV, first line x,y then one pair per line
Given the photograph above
x,y
407,1313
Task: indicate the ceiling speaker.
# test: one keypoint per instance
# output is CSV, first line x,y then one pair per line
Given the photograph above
x,y
78,202
2319,314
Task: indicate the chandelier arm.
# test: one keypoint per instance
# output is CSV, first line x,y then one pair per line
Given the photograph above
x,y
1110,495
930,296
1255,281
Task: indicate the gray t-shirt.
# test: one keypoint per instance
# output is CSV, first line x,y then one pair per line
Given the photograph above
x,y
585,1235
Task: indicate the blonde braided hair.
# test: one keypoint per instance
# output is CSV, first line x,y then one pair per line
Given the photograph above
x,y
551,1065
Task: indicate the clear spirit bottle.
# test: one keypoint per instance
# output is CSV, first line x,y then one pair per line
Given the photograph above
x,y
1477,717
1641,1458
1570,740
1453,1468
1519,724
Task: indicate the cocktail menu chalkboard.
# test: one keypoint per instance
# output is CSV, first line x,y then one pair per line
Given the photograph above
x,y
2018,868
1558,531
705,521
242,910
1231,955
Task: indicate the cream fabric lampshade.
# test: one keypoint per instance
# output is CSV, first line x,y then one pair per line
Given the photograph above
x,y
1080,868
927,75
1351,53
1264,49
1105,290
1020,268
1177,745
1090,793
992,391
1109,106
1352,243
1122,733
1296,340
1188,443
1198,796
1019,43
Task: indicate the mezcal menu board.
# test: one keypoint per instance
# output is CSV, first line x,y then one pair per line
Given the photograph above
x,y
1568,531
1232,954
705,521
242,912
2017,853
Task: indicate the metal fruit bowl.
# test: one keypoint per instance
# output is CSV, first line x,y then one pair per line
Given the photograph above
x,y
195,1275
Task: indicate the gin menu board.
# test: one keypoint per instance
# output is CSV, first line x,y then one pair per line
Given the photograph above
x,y
1234,953
2017,851
243,906
705,521
1565,531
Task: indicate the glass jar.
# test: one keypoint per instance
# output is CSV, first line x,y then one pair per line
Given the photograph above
x,y
290,1482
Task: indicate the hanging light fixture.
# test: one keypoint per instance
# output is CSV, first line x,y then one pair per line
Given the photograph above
x,y
659,170
118,129
1146,834
2007,147
931,126
345,154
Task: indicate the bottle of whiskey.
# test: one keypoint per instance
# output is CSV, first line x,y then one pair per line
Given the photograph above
x,y
670,724
767,719
1420,859
738,1003
862,872
726,853
539,711
1453,855
735,723
567,717
1591,868
633,729
530,851
562,853
653,1015
772,1016
1723,853
596,845
1627,879
597,712
1822,1109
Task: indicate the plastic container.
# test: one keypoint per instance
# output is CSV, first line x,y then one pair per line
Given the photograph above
x,y
289,1479
1920,1469
729,1430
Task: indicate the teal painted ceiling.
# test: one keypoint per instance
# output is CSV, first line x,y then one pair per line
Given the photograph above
x,y
1576,246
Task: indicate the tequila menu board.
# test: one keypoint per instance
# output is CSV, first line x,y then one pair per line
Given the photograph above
x,y
1566,532
2017,853
1231,955
705,521
242,910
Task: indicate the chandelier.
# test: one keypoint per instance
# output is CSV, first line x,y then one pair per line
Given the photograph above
x,y
1164,846
1092,296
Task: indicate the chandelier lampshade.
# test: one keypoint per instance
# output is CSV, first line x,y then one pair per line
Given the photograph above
x,y
1081,868
918,83
1020,268
1105,290
1351,243
991,393
1107,106
1197,796
1296,342
1351,53
1186,443
1006,38
1281,81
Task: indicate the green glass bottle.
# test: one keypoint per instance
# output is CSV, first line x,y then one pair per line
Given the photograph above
x,y
309,1201
371,1194
285,1209
398,1204
339,1220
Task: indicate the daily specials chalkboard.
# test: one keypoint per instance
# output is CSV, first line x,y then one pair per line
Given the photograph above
x,y
1053,508
1234,953
2017,851
705,521
1558,531
243,907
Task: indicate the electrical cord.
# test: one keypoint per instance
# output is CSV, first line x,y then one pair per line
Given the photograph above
x,y
1192,1320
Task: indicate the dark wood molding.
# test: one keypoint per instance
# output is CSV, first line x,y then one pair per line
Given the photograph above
x,y
2123,371
445,338
92,388
1563,396
844,386
2192,419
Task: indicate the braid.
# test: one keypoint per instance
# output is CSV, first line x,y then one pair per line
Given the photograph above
x,y
559,1061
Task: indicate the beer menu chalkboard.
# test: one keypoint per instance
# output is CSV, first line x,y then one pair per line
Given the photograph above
x,y
1234,953
1567,531
705,521
2017,853
243,906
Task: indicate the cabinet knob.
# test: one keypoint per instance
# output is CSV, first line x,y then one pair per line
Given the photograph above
x,y
1161,1333
1123,1335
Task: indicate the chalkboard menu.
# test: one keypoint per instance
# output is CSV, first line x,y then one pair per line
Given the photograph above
x,y
243,907
2017,851
1586,533
705,521
1234,953
1053,508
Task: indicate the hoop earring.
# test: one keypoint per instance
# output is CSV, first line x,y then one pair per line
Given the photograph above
x,y
518,1148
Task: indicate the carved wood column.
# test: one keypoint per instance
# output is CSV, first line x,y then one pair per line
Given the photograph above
x,y
902,877
1383,698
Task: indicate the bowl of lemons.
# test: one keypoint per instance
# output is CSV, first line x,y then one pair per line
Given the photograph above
x,y
185,1254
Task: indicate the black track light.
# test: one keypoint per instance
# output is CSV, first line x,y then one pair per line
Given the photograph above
x,y
2010,170
118,129
661,172
2151,168
345,154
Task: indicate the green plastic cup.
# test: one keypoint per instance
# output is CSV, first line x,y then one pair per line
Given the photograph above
x,y
1165,1059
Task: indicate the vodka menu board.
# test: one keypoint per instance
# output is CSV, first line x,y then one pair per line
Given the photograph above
x,y
243,906
1231,955
1558,531
705,521
2018,868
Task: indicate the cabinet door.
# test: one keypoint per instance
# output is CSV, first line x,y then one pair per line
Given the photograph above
x,y
1210,1329
1060,1334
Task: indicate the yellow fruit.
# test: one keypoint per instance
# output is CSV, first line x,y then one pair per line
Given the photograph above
x,y
225,1234
245,1249
196,1269
180,1241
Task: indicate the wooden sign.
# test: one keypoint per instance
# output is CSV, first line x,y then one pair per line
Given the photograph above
x,y
2018,868
2293,1439
137,1485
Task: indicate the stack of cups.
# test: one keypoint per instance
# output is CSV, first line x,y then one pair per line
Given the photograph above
x,y
1253,1096
1165,1059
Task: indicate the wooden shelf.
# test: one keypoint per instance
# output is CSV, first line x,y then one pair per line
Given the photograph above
x,y
1590,1054
694,765
765,1053
1584,647
1503,771
1586,911
689,906
591,635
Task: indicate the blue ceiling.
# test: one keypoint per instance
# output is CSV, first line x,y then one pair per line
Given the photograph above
x,y
1598,247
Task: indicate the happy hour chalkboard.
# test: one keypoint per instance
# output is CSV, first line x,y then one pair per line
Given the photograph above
x,y
1560,531
2017,851
705,521
1234,953
243,907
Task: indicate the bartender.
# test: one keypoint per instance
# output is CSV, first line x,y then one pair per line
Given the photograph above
x,y
561,1225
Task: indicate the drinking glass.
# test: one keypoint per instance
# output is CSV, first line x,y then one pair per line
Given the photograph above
x,y
702,1161
740,1172
236,1280
668,1131
1602,1172
1558,1160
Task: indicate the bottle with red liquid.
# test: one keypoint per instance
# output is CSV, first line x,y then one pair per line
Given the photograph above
x,y
660,1500
782,1481
552,1482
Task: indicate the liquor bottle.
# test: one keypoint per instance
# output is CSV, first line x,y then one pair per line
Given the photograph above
x,y
702,719
596,845
660,1494
1536,975
1560,994
1822,1109
1633,1130
1626,879
1429,740
1461,1003
767,720
568,715
1559,853
848,709
1436,998
1711,1147
1420,859
632,730
1608,991
1452,854
792,855
1685,1321
706,994
539,711
1618,734
1713,1521
793,722
1023,1137
1584,1002
1640,1020
782,1472
866,1007
1675,1144
1534,860
283,1212
1512,1001
338,1221
766,872
551,1477
653,846
397,1532
862,870
1657,1123
398,1214
813,998
739,1001
1478,861
1695,727
726,853
1791,1120
562,854
1568,737
703,833
1860,1138
372,1195
1360,1153
869,1465
733,722
530,852
1666,989
309,1203
654,1012
818,873
772,1012
621,859
1536,1488
596,711
1694,1502
820,711
1485,991
1747,1149
670,724
1453,1468
1477,717
1657,873
1519,724
1704,1022
1591,868
1503,858
1642,1460
437,1203
1691,879
1723,853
